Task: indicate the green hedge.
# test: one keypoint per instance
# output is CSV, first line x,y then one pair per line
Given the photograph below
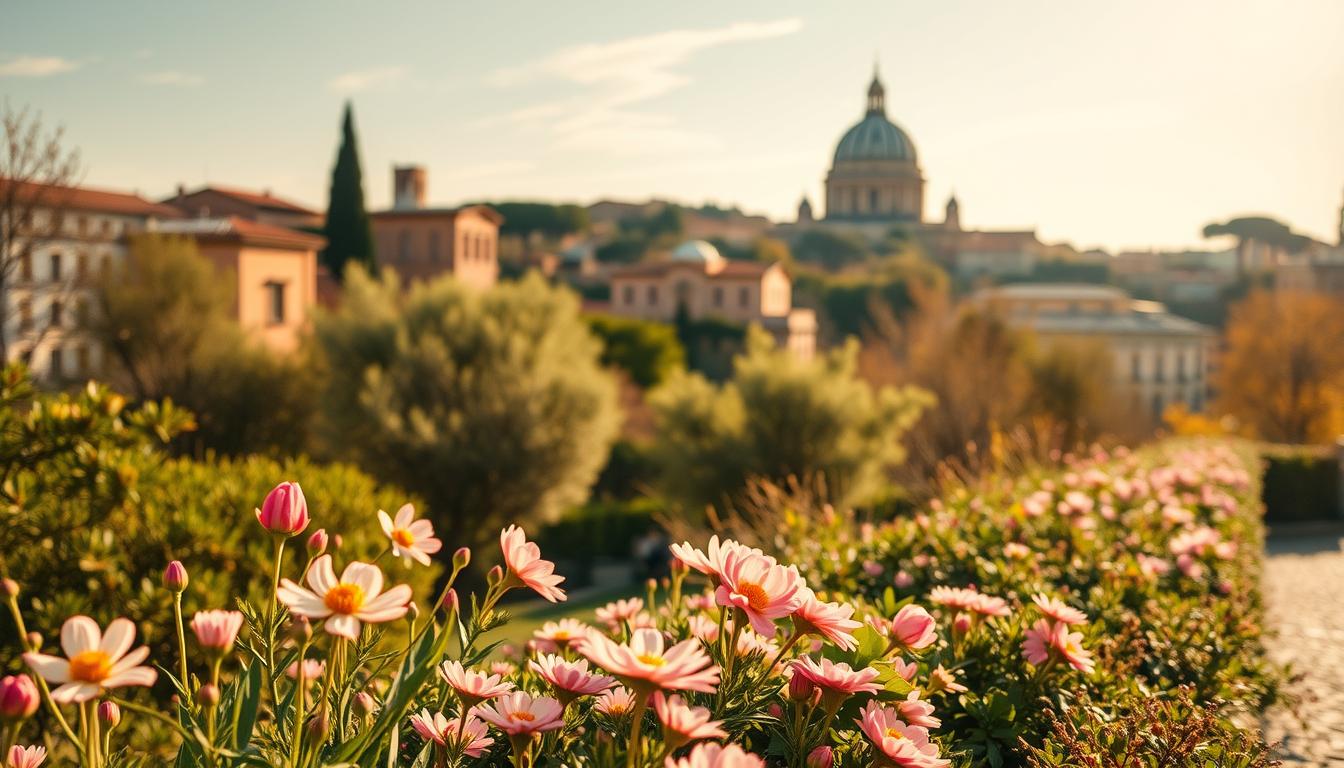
x,y
1301,482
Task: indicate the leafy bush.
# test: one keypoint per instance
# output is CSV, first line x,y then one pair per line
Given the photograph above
x,y
1301,483
648,351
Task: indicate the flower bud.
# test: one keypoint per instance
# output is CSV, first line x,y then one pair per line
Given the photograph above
x,y
18,698
336,541
365,704
35,640
821,757
109,713
494,577
961,624
461,558
285,511
775,711
913,628
300,629
10,587
317,542
412,612
450,601
320,725
800,688
208,695
175,577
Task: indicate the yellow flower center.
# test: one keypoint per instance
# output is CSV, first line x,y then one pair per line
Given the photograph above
x,y
892,733
344,598
651,660
403,537
526,717
90,666
755,594
560,635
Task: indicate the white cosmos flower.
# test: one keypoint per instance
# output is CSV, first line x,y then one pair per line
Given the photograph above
x,y
94,660
412,539
356,598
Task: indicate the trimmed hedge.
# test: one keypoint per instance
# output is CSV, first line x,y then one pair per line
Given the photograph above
x,y
1301,483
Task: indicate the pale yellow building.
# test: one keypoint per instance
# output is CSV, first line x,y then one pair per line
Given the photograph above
x,y
421,242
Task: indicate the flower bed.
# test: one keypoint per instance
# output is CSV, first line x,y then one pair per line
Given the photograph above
x,y
1058,618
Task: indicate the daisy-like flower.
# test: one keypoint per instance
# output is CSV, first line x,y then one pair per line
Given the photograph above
x,y
312,670
25,757
644,665
569,679
683,724
830,620
559,634
468,739
503,668
412,539
1036,644
837,681
711,561
615,613
985,605
472,687
944,679
616,702
94,660
216,631
716,756
358,597
953,597
895,742
913,628
761,588
916,711
525,566
522,717
1058,609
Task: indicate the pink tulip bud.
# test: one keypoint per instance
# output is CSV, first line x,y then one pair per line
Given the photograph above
x,y
284,512
775,711
320,725
962,623
364,704
495,576
800,688
450,601
317,543
10,587
109,713
821,757
18,698
461,557
208,695
913,628
175,577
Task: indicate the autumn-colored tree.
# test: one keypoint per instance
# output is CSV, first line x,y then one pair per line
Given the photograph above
x,y
1282,375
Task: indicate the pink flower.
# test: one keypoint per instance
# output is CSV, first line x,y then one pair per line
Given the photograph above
x,y
520,715
18,698
561,633
525,566
986,605
830,620
683,724
716,756
345,604
472,687
712,560
175,576
1046,640
570,679
1058,610
905,671
616,702
412,539
502,668
284,511
837,681
943,679
913,628
761,588
1015,551
312,670
1036,644
821,757
94,660
895,742
953,597
217,630
616,613
469,738
26,757
917,712
645,666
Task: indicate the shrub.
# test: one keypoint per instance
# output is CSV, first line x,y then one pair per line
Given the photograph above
x,y
1301,483
648,351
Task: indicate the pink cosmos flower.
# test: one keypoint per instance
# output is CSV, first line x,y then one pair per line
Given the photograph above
x,y
830,620
312,670
761,588
1036,644
615,613
472,687
469,738
837,681
520,715
94,660
915,711
943,679
358,597
821,757
913,628
616,702
503,668
1015,551
18,698
411,539
716,756
703,628
953,597
570,679
1058,610
26,757
1152,567
985,605
683,724
217,630
285,511
904,670
711,561
525,566
1046,639
561,633
897,743
645,666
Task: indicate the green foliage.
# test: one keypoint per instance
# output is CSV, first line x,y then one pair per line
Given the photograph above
x,y
546,219
1260,228
1301,483
492,406
831,250
779,419
647,351
855,305
348,231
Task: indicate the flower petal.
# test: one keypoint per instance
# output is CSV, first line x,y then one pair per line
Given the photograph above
x,y
53,669
75,693
118,638
405,515
134,676
368,577
385,522
321,576
343,625
79,634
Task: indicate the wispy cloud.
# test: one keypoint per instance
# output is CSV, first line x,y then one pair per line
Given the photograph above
x,y
37,66
172,77
364,79
617,75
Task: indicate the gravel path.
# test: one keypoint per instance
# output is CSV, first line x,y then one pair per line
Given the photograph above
x,y
1304,591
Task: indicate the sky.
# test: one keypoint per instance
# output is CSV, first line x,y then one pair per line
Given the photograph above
x,y
1119,125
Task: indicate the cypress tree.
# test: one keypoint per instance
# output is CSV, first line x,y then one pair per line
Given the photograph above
x,y
349,236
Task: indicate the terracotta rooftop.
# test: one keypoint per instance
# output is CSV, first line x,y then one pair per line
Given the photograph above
x,y
259,199
88,199
485,210
246,231
731,270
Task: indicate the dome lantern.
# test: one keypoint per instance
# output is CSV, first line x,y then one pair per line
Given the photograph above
x,y
877,97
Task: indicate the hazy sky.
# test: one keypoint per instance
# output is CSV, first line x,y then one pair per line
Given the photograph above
x,y
1121,124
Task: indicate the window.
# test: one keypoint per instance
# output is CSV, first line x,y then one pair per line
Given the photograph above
x,y
106,265
652,293
628,295
82,359
25,314
1159,372
82,266
55,267
57,313
26,267
434,245
56,368
1136,366
1180,366
718,295
743,296
872,200
404,245
275,303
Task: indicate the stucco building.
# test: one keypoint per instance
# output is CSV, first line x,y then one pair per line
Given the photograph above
x,y
421,242
221,202
697,281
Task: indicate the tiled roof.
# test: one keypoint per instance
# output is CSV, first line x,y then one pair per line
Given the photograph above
x,y
484,210
258,199
246,231
90,200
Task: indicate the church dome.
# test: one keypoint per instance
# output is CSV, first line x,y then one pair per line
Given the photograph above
x,y
697,251
875,137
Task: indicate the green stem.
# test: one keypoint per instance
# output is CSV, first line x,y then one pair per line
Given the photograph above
x,y
270,617
793,638
300,697
41,683
181,643
157,715
633,750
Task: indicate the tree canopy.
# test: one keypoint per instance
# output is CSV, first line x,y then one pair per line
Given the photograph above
x,y
348,232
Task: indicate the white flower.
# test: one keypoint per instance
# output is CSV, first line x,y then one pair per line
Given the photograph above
x,y
412,539
94,660
346,603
